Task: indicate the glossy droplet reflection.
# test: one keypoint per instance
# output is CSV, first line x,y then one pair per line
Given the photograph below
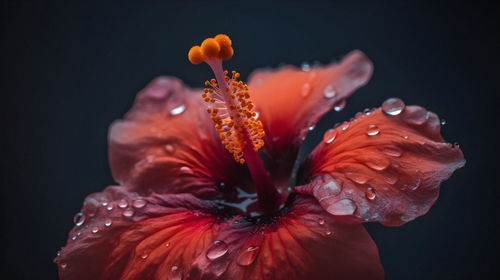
x,y
178,110
329,92
339,106
393,106
329,136
139,203
342,207
372,130
122,204
79,219
248,255
95,230
108,223
219,248
128,213
370,193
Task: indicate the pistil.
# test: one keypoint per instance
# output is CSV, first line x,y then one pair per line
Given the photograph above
x,y
240,131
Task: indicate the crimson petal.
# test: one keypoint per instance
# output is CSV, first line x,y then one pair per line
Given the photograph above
x,y
384,167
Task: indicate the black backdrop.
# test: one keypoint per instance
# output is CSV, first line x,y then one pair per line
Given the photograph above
x,y
70,69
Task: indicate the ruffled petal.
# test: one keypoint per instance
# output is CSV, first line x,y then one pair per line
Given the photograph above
x,y
166,144
290,100
381,166
177,236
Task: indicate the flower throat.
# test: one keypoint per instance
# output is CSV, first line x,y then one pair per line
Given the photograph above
x,y
232,114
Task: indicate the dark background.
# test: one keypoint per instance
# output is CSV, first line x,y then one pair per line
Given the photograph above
x,y
70,69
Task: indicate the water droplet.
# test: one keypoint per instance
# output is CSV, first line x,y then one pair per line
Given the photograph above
x,y
218,267
248,255
328,233
329,136
218,249
175,273
311,128
139,203
167,244
370,193
109,208
372,130
74,237
392,151
104,204
306,89
418,180
178,110
144,256
443,121
415,115
123,204
339,106
108,223
95,230
344,126
405,137
63,265
128,213
169,148
321,221
393,106
305,66
329,92
456,145
58,253
342,207
186,170
79,219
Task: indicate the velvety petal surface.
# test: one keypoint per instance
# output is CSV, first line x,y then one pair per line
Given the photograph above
x,y
380,166
290,100
166,144
122,235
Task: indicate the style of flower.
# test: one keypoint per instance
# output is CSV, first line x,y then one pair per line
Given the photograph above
x,y
205,187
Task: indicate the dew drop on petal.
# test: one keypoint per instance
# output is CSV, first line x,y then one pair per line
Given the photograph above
x,y
186,170
443,121
63,265
321,221
104,203
328,233
108,223
305,66
79,219
392,151
175,273
372,130
329,92
178,110
393,106
344,126
456,145
128,213
415,115
370,194
144,256
167,244
74,237
311,128
329,136
95,230
339,106
139,203
122,204
248,255
342,207
218,267
219,248
109,208
169,148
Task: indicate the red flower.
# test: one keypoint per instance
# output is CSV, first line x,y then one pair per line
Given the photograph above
x,y
185,209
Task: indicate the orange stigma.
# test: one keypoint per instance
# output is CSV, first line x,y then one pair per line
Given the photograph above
x,y
230,106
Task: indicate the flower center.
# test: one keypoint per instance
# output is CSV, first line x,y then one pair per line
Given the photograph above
x,y
231,111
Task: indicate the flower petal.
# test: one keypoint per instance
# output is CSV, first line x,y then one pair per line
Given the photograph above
x,y
384,167
305,243
174,236
167,144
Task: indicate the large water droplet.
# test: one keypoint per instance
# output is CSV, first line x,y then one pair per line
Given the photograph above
x,y
109,208
370,193
342,207
392,151
95,230
219,266
123,204
139,203
219,248
329,92
128,213
393,106
329,136
186,170
372,130
178,110
79,219
339,106
175,273
248,255
108,223
415,115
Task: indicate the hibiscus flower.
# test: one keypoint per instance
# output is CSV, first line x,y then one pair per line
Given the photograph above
x,y
205,188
